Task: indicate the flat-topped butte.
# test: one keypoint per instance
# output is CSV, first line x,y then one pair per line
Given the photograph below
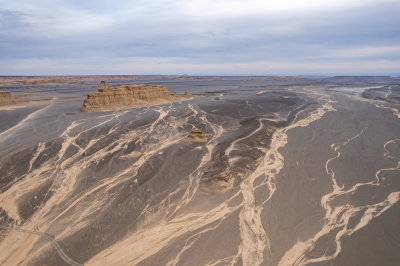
x,y
128,96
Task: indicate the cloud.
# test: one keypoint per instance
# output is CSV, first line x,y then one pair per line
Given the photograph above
x,y
177,66
229,8
207,34
366,52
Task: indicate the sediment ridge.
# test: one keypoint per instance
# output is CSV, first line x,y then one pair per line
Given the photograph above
x,y
128,96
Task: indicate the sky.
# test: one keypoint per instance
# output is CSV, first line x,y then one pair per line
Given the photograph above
x,y
200,37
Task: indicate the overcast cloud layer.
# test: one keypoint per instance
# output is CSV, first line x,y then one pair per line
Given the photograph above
x,y
230,37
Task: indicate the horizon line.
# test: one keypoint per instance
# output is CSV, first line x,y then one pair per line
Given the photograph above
x,y
210,75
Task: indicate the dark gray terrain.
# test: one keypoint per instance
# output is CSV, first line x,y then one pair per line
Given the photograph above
x,y
301,171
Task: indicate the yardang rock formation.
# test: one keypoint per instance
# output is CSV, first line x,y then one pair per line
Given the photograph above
x,y
128,96
196,135
6,98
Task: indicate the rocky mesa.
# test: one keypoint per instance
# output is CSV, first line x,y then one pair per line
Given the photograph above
x,y
6,98
128,96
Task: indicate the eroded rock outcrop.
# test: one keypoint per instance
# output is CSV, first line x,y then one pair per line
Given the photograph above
x,y
104,85
128,96
196,135
6,98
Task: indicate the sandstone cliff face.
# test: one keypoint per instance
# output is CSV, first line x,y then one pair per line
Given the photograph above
x,y
6,98
125,96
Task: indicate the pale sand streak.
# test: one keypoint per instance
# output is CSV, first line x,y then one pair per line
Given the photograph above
x,y
174,227
337,217
379,103
193,181
15,252
388,93
254,238
218,213
149,240
297,253
11,130
13,239
189,242
194,177
69,141
49,238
